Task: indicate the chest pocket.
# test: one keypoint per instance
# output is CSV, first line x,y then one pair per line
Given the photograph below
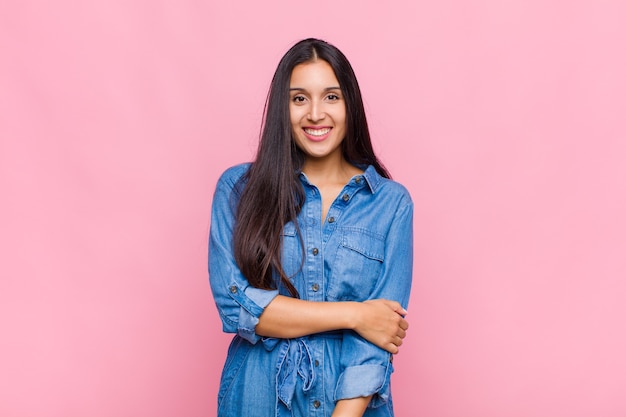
x,y
292,253
356,266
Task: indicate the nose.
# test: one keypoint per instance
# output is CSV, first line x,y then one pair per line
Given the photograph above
x,y
316,111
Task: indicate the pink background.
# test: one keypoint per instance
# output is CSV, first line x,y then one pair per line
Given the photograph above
x,y
505,119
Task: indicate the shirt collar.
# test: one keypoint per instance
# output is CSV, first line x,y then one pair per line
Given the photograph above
x,y
372,177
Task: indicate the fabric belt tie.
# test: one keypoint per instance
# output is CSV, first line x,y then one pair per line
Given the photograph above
x,y
294,361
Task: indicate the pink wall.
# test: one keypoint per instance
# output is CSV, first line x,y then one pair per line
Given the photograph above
x,y
506,120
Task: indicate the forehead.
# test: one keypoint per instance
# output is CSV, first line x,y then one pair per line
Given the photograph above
x,y
311,75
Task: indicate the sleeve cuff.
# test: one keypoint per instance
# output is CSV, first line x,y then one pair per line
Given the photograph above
x,y
364,380
252,301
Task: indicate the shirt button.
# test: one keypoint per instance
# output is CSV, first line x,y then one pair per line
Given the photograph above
x,y
317,363
315,287
315,251
233,289
316,404
358,180
345,197
331,220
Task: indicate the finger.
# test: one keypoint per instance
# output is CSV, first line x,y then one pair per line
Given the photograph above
x,y
404,325
400,310
401,334
395,306
391,348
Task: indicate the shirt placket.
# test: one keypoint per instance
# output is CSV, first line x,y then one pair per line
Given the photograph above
x,y
316,235
313,280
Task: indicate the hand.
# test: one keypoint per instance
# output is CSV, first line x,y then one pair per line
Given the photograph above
x,y
381,323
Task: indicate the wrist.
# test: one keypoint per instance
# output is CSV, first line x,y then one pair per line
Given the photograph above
x,y
352,315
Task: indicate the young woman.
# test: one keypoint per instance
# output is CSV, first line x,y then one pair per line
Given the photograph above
x,y
310,253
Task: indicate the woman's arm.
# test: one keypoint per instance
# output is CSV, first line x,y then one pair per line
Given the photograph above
x,y
366,368
353,407
253,312
378,321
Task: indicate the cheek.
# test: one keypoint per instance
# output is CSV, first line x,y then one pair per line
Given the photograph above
x,y
293,115
341,120
341,117
296,113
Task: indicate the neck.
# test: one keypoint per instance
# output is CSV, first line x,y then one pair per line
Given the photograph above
x,y
329,170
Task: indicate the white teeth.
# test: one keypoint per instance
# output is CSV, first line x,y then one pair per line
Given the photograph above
x,y
317,132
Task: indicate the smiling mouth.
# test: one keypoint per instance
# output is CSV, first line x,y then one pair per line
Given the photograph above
x,y
316,132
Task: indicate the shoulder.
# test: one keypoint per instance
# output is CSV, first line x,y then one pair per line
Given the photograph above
x,y
387,189
396,197
233,175
229,186
390,186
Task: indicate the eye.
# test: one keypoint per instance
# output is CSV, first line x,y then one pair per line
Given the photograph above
x,y
298,99
333,97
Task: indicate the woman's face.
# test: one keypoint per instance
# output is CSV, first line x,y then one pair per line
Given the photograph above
x,y
317,110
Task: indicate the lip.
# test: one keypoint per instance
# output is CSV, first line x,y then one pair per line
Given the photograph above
x,y
317,138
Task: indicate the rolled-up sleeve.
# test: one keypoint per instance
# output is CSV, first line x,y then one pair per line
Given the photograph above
x,y
238,303
367,368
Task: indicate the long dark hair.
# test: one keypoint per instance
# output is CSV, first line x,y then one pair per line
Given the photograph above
x,y
271,192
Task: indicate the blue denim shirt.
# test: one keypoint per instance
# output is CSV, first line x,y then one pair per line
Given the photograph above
x,y
363,250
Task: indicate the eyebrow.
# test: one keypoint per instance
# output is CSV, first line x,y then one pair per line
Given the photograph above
x,y
304,89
